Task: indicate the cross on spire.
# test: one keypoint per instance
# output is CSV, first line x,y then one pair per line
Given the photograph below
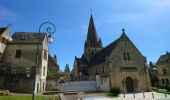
x,y
123,30
91,10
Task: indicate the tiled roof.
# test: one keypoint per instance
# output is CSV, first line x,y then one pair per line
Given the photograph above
x,y
164,59
27,37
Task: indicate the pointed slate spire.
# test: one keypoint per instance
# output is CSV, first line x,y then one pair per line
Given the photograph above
x,y
92,37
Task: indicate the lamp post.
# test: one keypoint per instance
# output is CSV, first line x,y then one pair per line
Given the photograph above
x,y
49,38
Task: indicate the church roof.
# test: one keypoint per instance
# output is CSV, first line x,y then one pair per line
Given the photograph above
x,y
27,37
101,56
164,59
81,60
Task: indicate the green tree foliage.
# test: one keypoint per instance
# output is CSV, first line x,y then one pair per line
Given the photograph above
x,y
152,65
67,69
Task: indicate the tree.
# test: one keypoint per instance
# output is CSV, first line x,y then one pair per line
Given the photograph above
x,y
151,65
67,72
67,69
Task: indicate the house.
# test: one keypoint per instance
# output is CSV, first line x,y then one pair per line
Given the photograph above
x,y
120,61
4,39
25,63
163,70
52,73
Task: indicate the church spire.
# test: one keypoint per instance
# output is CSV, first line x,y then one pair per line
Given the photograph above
x,y
92,38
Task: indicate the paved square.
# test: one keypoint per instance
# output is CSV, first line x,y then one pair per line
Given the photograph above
x,y
138,96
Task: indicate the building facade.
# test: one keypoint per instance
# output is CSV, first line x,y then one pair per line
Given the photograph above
x,y
120,61
163,70
4,39
21,57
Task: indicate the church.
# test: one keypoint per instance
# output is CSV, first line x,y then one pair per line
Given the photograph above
x,y
120,61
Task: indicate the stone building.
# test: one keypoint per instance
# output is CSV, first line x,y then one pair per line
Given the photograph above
x,y
163,70
4,39
52,73
120,61
21,57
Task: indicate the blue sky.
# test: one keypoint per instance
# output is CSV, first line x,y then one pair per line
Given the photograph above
x,y
147,23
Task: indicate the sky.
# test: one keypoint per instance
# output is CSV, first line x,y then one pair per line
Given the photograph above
x,y
147,23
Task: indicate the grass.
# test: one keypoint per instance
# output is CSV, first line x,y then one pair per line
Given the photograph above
x,y
21,97
161,91
29,98
110,95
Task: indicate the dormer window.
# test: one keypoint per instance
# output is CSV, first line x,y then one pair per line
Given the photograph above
x,y
23,37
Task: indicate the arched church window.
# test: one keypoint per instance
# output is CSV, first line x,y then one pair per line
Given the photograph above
x,y
92,52
163,81
167,81
126,56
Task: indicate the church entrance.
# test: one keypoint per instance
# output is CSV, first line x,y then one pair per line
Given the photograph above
x,y
129,84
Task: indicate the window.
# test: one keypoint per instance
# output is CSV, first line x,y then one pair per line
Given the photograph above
x,y
0,56
164,71
45,55
43,86
126,56
163,81
92,52
3,40
103,70
18,54
167,81
44,71
96,72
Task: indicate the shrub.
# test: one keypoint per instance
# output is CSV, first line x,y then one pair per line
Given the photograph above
x,y
115,91
168,88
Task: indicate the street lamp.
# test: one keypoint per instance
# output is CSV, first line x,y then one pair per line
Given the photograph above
x,y
49,37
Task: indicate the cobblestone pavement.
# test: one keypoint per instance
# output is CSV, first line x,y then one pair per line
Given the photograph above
x,y
138,96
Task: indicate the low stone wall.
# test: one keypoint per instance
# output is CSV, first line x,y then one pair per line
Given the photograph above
x,y
81,86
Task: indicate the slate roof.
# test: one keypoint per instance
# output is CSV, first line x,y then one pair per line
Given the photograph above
x,y
27,37
92,38
101,55
81,61
2,29
52,61
164,59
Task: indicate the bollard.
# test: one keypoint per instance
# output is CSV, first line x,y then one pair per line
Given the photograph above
x,y
165,95
143,95
152,95
134,95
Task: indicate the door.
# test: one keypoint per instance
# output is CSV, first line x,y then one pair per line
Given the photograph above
x,y
37,87
129,84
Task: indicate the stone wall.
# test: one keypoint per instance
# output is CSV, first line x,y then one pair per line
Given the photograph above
x,y
80,86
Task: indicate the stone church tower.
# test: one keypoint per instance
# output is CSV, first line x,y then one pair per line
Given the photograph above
x,y
119,64
92,44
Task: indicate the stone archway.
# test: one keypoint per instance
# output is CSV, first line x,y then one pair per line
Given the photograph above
x,y
129,84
